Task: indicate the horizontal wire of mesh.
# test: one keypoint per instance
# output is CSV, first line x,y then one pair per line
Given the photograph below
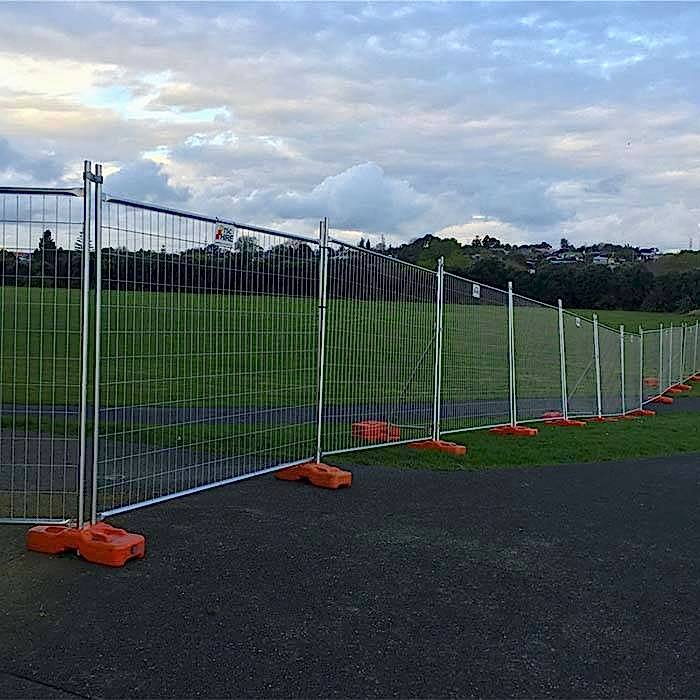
x,y
40,332
651,374
610,371
380,350
579,351
537,359
475,376
209,354
632,346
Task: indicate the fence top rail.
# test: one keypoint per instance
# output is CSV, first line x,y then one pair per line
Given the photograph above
x,y
61,191
376,253
159,209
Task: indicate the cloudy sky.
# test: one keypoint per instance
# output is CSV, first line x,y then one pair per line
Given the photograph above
x,y
525,121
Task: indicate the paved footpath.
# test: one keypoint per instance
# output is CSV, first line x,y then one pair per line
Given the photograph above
x,y
572,581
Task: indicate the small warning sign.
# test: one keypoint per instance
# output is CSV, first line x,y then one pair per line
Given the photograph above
x,y
225,236
476,291
578,322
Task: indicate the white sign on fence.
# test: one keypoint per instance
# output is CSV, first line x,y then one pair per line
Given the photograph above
x,y
578,322
225,236
476,291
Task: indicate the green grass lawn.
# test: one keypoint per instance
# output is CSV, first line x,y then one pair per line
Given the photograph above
x,y
672,433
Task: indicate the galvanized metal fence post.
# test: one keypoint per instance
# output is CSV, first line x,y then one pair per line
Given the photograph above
x,y
84,332
661,386
641,368
622,369
562,362
437,385
670,358
322,301
696,369
681,372
511,356
97,339
596,350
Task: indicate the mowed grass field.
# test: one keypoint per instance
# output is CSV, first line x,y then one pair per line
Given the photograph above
x,y
180,349
632,320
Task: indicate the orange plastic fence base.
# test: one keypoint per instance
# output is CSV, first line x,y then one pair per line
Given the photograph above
x,y
642,412
603,419
451,448
695,378
518,430
99,543
651,381
684,387
674,390
375,431
317,474
662,399
556,418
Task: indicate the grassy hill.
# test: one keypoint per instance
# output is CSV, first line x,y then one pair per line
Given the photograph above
x,y
684,261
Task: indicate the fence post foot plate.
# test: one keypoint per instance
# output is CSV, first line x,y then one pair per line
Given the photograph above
x,y
317,474
440,445
99,543
517,430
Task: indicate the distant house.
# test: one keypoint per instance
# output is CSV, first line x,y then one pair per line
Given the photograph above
x,y
601,260
648,253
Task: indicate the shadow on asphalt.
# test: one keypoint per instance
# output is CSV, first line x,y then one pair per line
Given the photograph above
x,y
557,581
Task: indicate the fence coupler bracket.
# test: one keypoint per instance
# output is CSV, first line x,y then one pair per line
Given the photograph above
x,y
451,448
99,543
317,474
516,430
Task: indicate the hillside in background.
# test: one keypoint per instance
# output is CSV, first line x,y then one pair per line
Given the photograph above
x,y
685,261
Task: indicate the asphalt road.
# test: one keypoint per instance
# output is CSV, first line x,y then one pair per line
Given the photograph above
x,y
570,581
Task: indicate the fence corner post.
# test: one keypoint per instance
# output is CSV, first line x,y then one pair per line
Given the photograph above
x,y
622,371
437,381
596,351
322,300
562,363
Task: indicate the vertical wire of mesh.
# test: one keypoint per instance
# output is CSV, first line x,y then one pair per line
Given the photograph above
x,y
537,359
580,366
40,332
209,353
610,371
651,373
475,376
380,350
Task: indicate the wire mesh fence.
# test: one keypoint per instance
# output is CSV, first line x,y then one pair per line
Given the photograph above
x,y
475,374
611,385
209,353
580,366
651,371
380,358
148,353
538,386
632,346
41,263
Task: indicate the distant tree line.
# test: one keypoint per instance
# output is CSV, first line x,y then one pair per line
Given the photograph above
x,y
292,268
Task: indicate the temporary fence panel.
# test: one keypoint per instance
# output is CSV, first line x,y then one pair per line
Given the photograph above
x,y
610,371
676,359
538,387
651,373
580,366
380,350
475,376
690,351
632,345
41,317
208,358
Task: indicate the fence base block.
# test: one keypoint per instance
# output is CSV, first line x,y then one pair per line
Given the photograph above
x,y
662,399
674,390
684,387
603,419
566,422
317,474
99,543
451,448
375,431
652,382
642,412
694,378
517,430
